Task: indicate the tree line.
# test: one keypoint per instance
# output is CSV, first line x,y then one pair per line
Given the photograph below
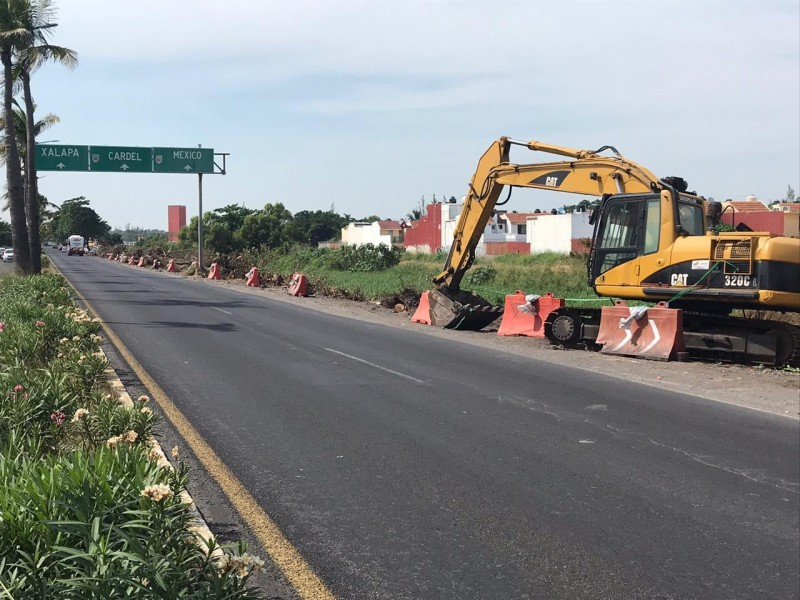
x,y
26,27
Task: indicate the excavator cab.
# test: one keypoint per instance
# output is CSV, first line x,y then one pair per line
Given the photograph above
x,y
640,226
627,228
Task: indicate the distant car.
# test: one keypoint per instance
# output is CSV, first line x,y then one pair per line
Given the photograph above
x,y
63,248
8,256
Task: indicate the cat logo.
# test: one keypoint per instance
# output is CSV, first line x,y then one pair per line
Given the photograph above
x,y
679,279
551,182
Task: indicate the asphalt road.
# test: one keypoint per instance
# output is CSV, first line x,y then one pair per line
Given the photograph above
x,y
405,466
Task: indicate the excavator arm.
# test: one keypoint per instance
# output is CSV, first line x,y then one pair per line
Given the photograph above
x,y
586,172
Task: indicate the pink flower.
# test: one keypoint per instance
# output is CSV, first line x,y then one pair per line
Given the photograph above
x,y
18,388
2,326
58,417
40,323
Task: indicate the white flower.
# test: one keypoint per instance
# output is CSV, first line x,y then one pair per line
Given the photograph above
x,y
79,415
157,492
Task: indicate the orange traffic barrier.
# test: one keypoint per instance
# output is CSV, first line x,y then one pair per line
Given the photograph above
x,y
298,286
525,314
648,332
423,312
171,265
214,272
141,262
131,260
253,278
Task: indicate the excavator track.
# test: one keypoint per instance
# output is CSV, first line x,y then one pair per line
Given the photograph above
x,y
736,339
707,337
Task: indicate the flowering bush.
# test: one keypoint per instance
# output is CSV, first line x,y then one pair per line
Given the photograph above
x,y
85,509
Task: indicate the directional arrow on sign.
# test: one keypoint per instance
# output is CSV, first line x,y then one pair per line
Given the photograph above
x,y
124,167
187,168
61,165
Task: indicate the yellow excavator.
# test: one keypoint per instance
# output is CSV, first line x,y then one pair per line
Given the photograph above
x,y
653,241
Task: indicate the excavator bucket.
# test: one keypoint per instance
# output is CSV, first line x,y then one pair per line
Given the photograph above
x,y
463,311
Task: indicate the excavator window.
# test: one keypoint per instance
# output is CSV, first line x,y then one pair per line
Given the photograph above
x,y
652,227
691,218
628,227
621,232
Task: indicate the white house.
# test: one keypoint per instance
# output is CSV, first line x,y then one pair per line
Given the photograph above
x,y
555,233
388,233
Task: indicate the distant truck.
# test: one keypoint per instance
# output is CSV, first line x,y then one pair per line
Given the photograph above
x,y
75,245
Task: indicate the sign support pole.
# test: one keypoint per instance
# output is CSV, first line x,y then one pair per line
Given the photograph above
x,y
200,222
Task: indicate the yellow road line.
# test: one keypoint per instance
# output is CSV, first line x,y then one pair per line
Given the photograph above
x,y
285,556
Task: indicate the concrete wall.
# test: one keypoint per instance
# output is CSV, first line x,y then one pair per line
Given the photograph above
x,y
767,220
498,248
791,224
425,234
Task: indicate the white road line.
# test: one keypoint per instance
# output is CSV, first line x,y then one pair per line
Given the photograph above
x,y
158,289
220,310
366,362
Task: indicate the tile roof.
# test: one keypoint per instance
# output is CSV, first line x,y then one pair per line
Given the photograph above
x,y
743,206
390,225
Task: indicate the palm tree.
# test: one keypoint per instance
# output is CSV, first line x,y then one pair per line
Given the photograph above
x,y
32,54
21,132
12,32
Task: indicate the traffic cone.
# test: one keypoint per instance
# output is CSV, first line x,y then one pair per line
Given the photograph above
x,y
171,265
423,312
141,262
214,272
253,278
298,286
131,260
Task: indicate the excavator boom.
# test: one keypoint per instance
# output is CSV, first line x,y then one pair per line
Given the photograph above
x,y
588,173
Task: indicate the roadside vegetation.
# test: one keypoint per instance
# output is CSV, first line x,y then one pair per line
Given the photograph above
x,y
86,511
385,274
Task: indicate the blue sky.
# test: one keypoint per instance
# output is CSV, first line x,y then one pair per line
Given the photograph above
x,y
368,105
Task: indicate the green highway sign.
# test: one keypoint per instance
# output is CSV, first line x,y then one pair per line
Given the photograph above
x,y
52,157
124,159
183,160
120,159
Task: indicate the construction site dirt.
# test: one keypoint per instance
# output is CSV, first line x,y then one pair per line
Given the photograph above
x,y
775,391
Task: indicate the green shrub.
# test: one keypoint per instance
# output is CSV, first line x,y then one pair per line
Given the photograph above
x,y
364,258
480,275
